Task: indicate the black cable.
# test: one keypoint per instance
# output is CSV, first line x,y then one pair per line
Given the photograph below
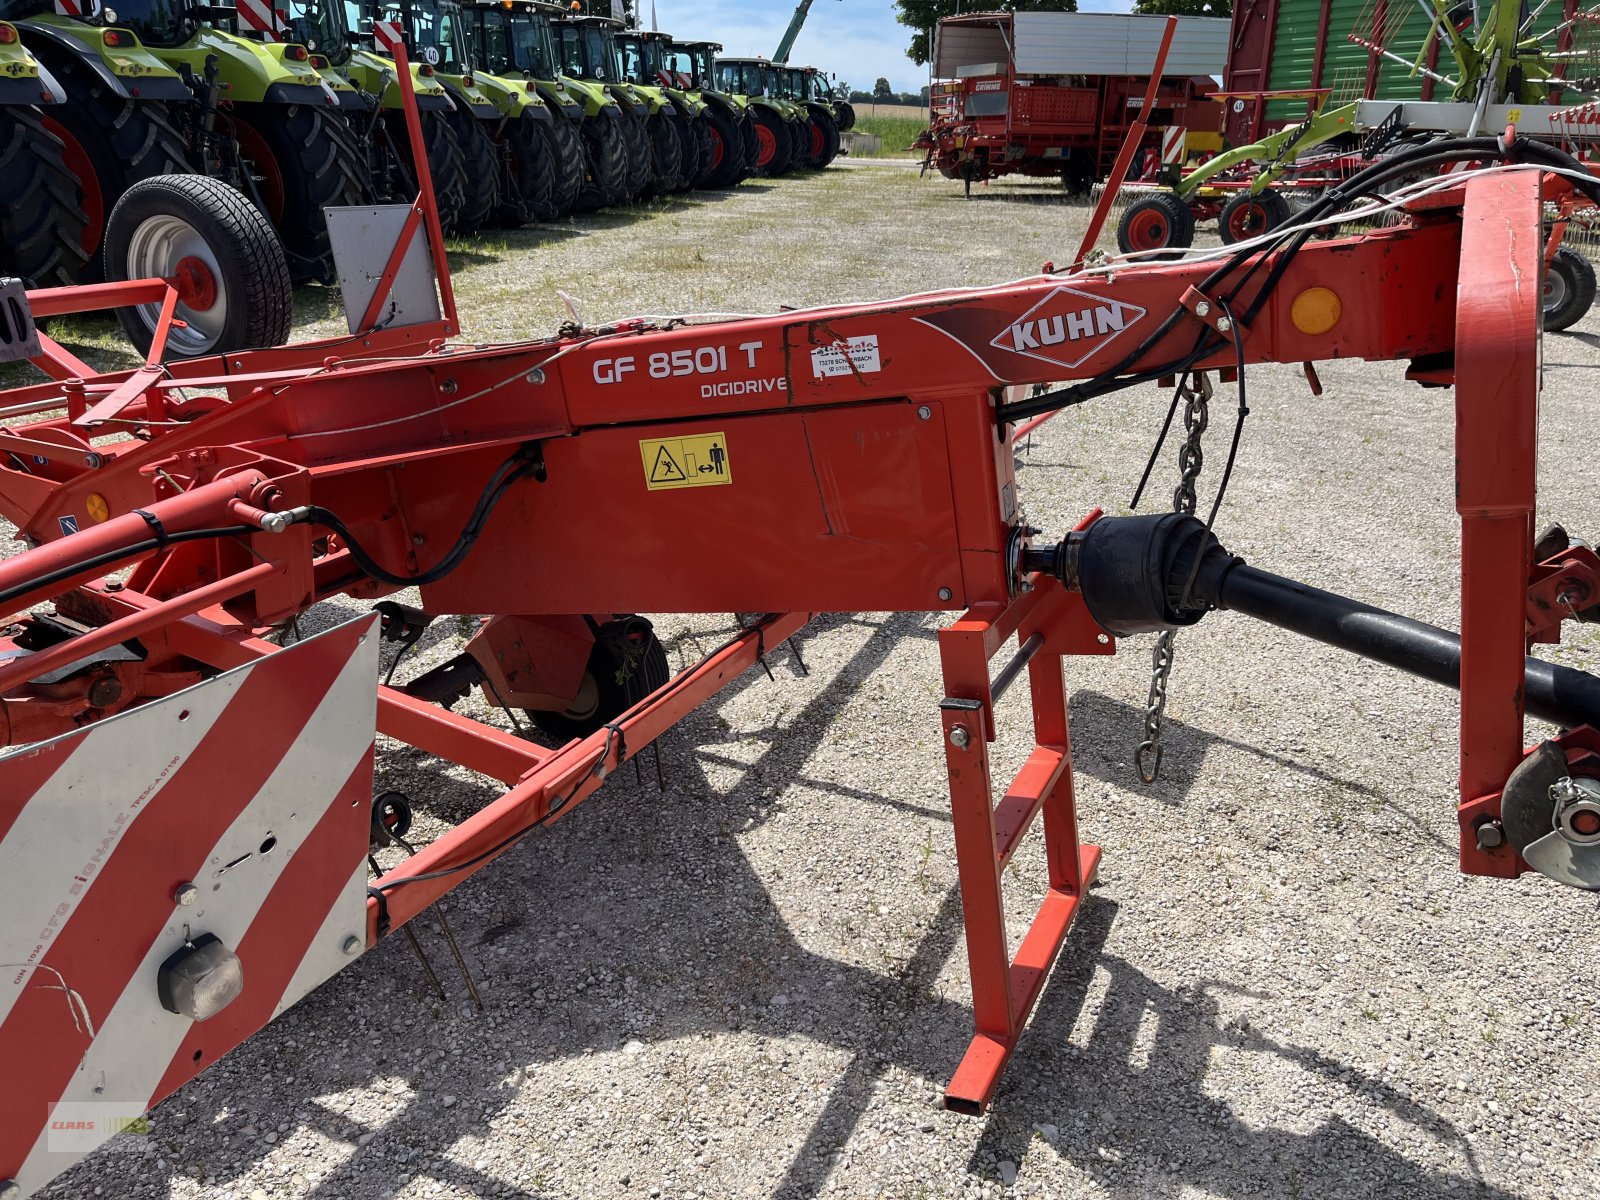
x,y
1421,157
522,464
613,732
109,557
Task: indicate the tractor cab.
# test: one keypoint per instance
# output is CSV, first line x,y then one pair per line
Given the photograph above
x,y
694,63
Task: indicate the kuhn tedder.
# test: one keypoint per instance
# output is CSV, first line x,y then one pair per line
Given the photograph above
x,y
186,817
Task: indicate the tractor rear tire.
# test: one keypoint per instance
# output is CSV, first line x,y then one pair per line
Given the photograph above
x,y
566,153
111,143
42,221
237,294
724,165
530,193
483,199
446,162
822,141
313,163
1156,222
666,152
1246,216
772,132
605,153
1569,290
626,665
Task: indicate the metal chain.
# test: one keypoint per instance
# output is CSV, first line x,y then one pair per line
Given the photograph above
x,y
1191,458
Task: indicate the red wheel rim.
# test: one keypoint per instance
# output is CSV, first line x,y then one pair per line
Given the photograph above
x,y
717,148
767,146
254,147
94,200
1149,230
818,142
1247,220
196,284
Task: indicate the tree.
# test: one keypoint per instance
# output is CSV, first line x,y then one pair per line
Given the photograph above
x,y
1185,8
881,91
923,15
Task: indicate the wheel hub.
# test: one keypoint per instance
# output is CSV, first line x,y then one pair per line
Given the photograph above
x,y
197,286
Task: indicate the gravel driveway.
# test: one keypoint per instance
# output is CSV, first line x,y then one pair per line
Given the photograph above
x,y
753,983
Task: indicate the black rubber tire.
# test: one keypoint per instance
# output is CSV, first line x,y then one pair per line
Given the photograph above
x,y
730,170
1245,216
1569,290
320,165
752,145
778,129
641,164
692,140
847,116
789,157
124,140
627,664
530,170
42,221
483,201
446,163
566,148
606,160
822,123
1134,231
252,273
666,152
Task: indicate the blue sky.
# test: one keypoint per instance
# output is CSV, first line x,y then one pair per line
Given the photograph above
x,y
858,40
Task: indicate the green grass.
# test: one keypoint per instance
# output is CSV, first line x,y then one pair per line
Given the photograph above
x,y
897,133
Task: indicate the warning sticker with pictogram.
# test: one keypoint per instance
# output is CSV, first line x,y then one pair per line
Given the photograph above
x,y
685,462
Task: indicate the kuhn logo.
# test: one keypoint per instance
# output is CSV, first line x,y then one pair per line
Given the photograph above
x,y
1067,327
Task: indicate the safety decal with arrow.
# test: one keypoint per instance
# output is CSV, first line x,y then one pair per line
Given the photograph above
x,y
685,462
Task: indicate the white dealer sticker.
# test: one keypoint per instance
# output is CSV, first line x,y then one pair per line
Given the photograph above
x,y
831,360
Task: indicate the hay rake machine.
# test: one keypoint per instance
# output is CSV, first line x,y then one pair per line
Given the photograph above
x,y
187,808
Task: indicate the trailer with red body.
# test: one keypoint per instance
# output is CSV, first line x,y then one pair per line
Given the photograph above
x,y
186,814
1055,94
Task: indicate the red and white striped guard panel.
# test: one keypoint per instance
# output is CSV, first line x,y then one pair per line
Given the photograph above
x,y
239,810
258,15
1172,140
387,34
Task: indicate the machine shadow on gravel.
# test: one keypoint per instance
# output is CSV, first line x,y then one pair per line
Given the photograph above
x,y
1154,1131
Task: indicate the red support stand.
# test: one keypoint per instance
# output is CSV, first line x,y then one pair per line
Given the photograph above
x,y
1047,623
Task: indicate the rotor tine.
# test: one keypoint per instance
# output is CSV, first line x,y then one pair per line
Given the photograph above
x,y
461,962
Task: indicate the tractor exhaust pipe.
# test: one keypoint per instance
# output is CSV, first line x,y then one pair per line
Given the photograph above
x,y
1145,574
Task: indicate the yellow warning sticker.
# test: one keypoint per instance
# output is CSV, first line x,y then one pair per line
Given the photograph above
x,y
685,462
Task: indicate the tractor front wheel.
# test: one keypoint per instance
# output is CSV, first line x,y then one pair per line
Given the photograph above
x,y
605,155
566,156
772,141
641,163
724,166
446,163
530,194
822,141
217,249
42,219
1569,290
1247,216
666,154
483,201
691,134
1157,222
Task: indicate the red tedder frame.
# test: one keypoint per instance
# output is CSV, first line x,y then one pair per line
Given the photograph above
x,y
847,458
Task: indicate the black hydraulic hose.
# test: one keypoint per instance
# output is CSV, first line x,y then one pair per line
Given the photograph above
x,y
1553,693
110,558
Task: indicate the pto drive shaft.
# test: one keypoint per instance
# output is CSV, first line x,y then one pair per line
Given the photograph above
x,y
1145,574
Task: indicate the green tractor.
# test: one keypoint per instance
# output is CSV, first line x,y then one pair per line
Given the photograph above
x,y
43,225
693,67
781,126
254,114
116,117
808,88
590,54
519,167
365,84
519,37
644,67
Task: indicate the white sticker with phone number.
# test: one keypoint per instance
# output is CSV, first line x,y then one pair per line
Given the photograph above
x,y
863,358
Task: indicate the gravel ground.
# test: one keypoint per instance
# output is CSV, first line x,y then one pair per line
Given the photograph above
x,y
753,983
